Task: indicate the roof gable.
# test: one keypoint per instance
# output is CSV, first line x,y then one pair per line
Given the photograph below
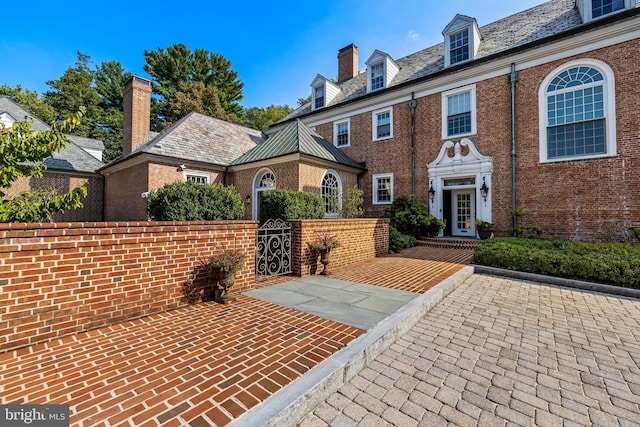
x,y
296,137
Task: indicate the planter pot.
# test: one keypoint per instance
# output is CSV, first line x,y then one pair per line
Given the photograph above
x,y
484,234
227,282
325,259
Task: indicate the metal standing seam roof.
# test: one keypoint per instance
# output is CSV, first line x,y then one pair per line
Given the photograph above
x,y
537,23
296,137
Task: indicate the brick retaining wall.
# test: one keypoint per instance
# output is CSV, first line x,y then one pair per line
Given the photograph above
x,y
58,279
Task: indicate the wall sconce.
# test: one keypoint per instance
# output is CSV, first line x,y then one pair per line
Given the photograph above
x,y
432,192
182,167
484,190
248,199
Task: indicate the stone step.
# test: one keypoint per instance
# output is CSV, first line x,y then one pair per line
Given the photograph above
x,y
445,242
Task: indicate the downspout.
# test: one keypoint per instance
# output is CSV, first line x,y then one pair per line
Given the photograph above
x,y
513,78
412,105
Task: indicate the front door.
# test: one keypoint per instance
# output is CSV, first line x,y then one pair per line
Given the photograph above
x,y
463,213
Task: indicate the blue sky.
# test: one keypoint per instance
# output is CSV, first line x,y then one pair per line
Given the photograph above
x,y
277,48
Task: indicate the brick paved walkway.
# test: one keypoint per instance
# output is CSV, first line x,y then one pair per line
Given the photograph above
x,y
502,352
201,365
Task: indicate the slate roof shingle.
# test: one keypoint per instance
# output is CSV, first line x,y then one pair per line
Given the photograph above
x,y
539,22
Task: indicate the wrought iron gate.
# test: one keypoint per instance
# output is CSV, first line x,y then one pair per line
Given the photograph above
x,y
273,248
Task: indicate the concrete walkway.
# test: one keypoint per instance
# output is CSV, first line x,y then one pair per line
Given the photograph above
x,y
499,352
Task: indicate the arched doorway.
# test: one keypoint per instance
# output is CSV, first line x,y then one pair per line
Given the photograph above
x,y
264,180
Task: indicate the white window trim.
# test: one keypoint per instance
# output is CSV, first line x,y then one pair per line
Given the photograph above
x,y
199,175
445,110
313,98
337,175
384,75
586,9
609,109
375,188
335,132
374,124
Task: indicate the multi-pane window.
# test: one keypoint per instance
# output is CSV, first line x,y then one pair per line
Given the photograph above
x,y
342,134
197,178
459,46
331,190
382,125
604,7
383,189
459,114
318,95
377,76
576,114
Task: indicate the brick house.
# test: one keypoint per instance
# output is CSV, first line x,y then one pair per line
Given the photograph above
x,y
72,167
539,110
209,150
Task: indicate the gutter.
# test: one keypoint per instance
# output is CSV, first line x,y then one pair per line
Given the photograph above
x,y
412,105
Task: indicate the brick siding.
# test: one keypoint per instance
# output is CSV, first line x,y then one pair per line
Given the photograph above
x,y
60,279
360,240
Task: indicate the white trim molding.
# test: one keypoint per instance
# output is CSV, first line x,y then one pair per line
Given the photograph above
x,y
374,189
471,89
374,124
336,125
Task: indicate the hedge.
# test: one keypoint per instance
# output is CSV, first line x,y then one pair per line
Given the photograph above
x,y
612,263
287,204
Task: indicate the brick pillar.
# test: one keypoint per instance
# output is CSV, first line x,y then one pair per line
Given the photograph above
x,y
347,62
136,121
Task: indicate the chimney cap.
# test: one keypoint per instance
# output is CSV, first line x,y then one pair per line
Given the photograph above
x,y
136,78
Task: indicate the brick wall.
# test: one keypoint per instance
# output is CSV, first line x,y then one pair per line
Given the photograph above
x,y
59,279
361,239
65,183
582,199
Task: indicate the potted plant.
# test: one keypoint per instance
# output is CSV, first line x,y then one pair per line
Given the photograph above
x,y
435,225
222,269
323,245
484,228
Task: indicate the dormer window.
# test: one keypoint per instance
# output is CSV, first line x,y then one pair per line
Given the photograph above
x,y
381,69
461,40
595,9
459,46
377,76
318,96
323,91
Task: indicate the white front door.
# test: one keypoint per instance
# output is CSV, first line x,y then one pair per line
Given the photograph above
x,y
463,213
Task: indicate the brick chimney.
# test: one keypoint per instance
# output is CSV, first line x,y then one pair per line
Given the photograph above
x,y
136,108
347,62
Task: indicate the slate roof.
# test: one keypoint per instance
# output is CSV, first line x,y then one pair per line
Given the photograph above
x,y
296,137
545,20
200,138
74,157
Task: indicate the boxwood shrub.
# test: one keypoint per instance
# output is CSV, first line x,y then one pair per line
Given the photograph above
x,y
613,263
188,201
399,241
287,204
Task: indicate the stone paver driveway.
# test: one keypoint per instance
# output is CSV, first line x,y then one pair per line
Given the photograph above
x,y
501,352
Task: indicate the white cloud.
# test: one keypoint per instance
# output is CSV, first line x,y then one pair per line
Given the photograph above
x,y
413,35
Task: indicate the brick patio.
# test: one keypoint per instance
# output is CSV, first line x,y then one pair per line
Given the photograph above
x,y
201,365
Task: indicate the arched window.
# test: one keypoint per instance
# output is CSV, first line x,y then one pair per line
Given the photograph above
x,y
577,112
331,192
263,180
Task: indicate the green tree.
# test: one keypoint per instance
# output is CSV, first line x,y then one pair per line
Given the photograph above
x,y
74,90
177,64
195,96
261,118
30,101
352,202
22,151
109,79
302,101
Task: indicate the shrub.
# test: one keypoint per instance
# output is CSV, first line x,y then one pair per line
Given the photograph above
x,y
613,263
286,204
352,202
408,216
188,201
399,241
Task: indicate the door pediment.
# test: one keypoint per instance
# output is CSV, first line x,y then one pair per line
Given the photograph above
x,y
458,157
